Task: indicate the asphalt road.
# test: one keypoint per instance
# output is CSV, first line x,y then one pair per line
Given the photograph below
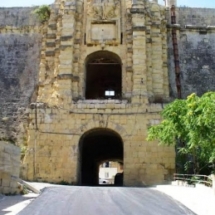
x,y
104,201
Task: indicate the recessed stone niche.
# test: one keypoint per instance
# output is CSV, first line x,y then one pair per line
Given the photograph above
x,y
103,22
102,32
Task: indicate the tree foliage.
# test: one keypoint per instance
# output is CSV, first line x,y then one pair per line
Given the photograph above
x,y
43,13
190,125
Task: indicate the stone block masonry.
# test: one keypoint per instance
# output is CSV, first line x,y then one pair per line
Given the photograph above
x,y
67,132
58,143
97,75
19,17
196,33
20,42
9,166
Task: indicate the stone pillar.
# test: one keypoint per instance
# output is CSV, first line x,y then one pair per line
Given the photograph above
x,y
79,74
157,54
66,50
56,64
139,90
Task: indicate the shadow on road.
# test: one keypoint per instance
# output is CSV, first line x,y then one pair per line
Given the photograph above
x,y
14,203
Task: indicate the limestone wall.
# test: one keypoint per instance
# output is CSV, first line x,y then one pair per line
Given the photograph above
x,y
9,165
197,62
54,57
18,17
195,16
53,149
62,115
196,51
20,44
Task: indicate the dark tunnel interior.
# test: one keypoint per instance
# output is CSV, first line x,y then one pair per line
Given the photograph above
x,y
103,75
94,148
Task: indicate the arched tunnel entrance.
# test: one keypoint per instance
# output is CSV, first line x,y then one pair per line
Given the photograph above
x,y
96,146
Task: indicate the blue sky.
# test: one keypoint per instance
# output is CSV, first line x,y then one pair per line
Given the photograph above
x,y
24,3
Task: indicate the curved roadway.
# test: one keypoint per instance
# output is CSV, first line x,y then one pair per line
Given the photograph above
x,y
67,200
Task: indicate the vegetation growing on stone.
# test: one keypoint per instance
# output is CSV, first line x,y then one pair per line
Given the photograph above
x,y
22,151
8,140
189,124
43,13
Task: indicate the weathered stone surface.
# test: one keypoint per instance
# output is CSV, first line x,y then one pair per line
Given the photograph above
x,y
196,47
197,63
9,166
145,75
19,66
196,16
18,17
139,38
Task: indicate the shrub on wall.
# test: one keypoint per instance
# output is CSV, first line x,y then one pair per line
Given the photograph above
x,y
43,13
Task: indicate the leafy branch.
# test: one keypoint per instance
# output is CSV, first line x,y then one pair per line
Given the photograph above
x,y
189,125
43,13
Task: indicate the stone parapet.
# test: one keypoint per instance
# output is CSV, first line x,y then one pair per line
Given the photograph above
x,y
196,16
18,17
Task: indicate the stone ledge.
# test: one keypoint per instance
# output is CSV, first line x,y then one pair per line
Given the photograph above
x,y
177,26
66,38
50,44
52,26
67,76
192,27
139,28
199,27
137,10
51,36
102,101
50,53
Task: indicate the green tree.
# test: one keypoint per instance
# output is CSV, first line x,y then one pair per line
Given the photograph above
x,y
43,13
190,125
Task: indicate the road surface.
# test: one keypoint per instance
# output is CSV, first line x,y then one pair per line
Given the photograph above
x,y
72,200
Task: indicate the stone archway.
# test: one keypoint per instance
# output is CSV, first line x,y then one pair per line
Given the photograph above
x,y
103,76
96,146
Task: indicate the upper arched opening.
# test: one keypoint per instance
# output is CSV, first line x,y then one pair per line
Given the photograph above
x,y
103,76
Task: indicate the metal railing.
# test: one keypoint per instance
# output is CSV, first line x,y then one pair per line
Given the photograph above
x,y
194,179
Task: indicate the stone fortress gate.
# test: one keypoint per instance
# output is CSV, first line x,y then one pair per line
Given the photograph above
x,y
102,81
